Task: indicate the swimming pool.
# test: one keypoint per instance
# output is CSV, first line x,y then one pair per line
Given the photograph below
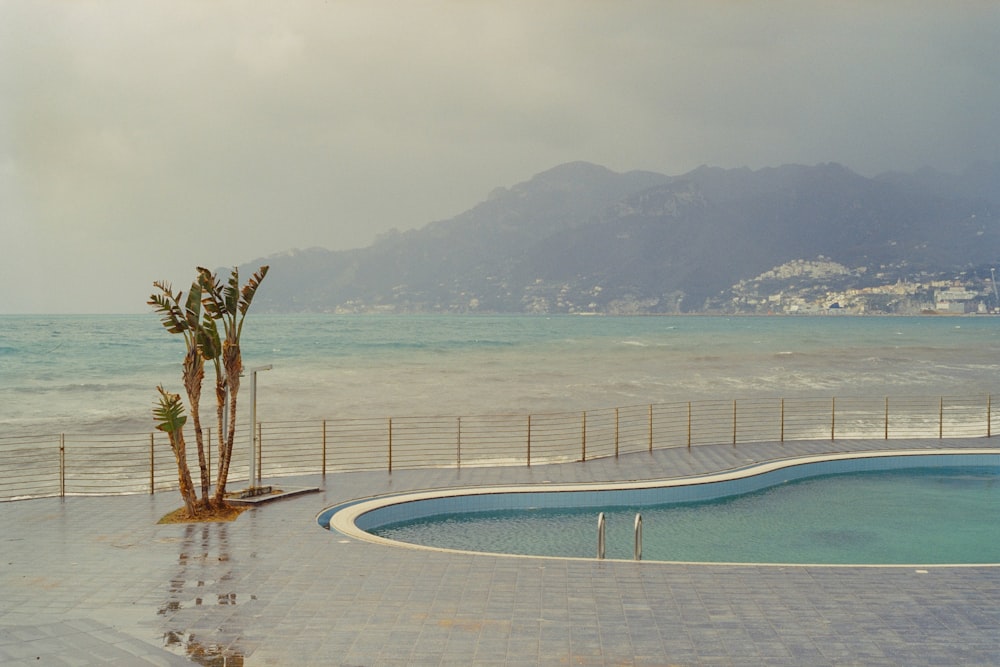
x,y
926,494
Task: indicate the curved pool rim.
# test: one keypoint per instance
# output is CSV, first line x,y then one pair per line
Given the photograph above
x,y
343,517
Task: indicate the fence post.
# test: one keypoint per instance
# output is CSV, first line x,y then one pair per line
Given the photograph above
x,y
616,432
529,441
734,422
689,424
650,428
782,420
962,424
941,417
833,419
62,465
152,465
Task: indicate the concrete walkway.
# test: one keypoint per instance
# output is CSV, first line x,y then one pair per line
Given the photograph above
x,y
96,581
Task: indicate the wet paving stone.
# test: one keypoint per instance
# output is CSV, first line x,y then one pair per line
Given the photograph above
x,y
90,580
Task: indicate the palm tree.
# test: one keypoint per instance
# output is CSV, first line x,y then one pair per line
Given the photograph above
x,y
186,320
228,304
169,415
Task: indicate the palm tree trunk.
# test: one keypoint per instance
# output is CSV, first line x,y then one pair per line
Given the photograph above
x,y
233,364
202,461
184,473
194,374
220,412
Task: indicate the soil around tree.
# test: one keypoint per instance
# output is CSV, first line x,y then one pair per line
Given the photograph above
x,y
225,513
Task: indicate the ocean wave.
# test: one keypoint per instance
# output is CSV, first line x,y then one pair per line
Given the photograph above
x,y
375,367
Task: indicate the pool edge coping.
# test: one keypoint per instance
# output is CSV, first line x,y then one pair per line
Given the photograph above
x,y
343,520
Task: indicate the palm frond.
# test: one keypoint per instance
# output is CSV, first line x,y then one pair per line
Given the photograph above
x,y
169,412
167,305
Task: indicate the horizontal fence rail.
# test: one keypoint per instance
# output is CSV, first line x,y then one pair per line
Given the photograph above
x,y
99,464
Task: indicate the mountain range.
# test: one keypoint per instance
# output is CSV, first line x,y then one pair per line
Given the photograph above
x,y
580,238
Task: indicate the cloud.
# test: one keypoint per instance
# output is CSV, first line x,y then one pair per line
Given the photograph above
x,y
140,139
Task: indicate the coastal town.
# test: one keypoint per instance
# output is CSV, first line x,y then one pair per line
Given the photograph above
x,y
822,286
800,287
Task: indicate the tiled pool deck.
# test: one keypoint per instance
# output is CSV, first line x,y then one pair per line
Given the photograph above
x,y
96,581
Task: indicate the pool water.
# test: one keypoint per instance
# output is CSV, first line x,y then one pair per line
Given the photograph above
x,y
929,515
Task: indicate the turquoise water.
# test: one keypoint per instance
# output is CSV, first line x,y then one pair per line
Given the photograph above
x,y
98,374
908,516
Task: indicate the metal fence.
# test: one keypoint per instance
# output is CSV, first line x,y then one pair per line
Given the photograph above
x,y
95,464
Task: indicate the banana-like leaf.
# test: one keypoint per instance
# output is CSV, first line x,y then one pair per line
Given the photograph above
x,y
250,289
231,293
208,339
167,305
192,308
169,412
211,293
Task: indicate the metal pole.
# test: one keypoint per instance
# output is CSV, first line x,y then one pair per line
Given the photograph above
x,y
600,535
637,553
941,418
782,420
260,451
886,417
833,419
324,448
734,422
62,465
650,428
583,451
989,409
390,444
152,465
458,444
253,429
689,424
616,432
253,421
529,441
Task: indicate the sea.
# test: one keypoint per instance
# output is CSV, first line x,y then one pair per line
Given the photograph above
x,y
97,374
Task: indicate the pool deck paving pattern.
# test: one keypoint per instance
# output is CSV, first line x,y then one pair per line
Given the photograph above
x,y
95,580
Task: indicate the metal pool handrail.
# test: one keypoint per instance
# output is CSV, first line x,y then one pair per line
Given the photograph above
x,y
600,535
601,530
637,551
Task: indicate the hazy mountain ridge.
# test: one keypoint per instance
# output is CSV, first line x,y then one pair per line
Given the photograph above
x,y
582,238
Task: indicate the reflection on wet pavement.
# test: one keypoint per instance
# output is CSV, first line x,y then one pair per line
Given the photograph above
x,y
199,596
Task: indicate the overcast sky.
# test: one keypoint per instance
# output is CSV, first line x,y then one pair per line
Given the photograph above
x,y
140,139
